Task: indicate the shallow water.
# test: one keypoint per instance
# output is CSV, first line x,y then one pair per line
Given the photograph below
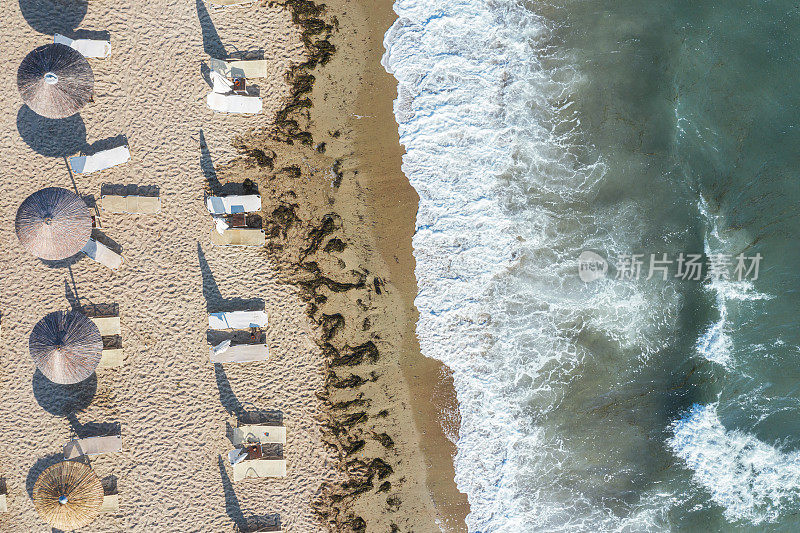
x,y
535,131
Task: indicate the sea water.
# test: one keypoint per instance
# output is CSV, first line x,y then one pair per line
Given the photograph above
x,y
536,130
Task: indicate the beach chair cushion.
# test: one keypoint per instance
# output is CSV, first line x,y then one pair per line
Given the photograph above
x,y
140,205
260,434
108,325
92,446
103,254
85,164
229,205
239,237
240,353
246,68
234,103
110,358
238,320
87,47
110,503
259,468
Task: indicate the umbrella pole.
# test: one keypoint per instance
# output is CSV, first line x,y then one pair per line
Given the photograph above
x,y
71,177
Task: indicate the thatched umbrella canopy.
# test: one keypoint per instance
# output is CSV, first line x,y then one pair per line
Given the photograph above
x,y
68,495
66,347
53,223
55,81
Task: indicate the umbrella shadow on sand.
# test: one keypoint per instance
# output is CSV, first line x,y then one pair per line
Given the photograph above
x,y
51,137
63,263
40,466
212,43
207,167
244,524
63,400
237,408
215,302
54,16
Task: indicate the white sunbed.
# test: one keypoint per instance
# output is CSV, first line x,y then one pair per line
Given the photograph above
x,y
238,237
259,468
243,68
84,164
238,320
240,353
260,434
140,205
92,446
234,103
87,47
103,254
3,504
229,205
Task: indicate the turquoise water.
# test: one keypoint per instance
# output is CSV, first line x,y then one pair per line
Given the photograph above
x,y
537,130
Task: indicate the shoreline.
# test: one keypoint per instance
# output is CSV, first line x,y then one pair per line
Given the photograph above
x,y
393,203
340,215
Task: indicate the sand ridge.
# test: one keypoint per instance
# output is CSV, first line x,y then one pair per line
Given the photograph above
x,y
172,404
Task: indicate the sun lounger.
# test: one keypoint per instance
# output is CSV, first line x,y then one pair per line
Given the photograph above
x,y
246,68
103,254
110,503
240,353
3,504
87,47
259,468
92,446
239,237
260,434
139,205
238,320
234,103
84,164
228,205
109,326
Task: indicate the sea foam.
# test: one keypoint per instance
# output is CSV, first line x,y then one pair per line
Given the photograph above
x,y
493,148
750,479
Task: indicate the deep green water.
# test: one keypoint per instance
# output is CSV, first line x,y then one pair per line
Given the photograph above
x,y
538,129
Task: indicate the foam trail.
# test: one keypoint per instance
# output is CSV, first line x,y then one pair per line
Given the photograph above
x,y
750,479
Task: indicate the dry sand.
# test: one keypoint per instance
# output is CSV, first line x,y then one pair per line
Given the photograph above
x,y
171,404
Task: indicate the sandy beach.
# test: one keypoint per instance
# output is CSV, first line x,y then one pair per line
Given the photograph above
x,y
171,405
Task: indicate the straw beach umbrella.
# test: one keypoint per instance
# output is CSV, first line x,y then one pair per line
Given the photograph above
x,y
68,495
55,81
66,347
53,223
